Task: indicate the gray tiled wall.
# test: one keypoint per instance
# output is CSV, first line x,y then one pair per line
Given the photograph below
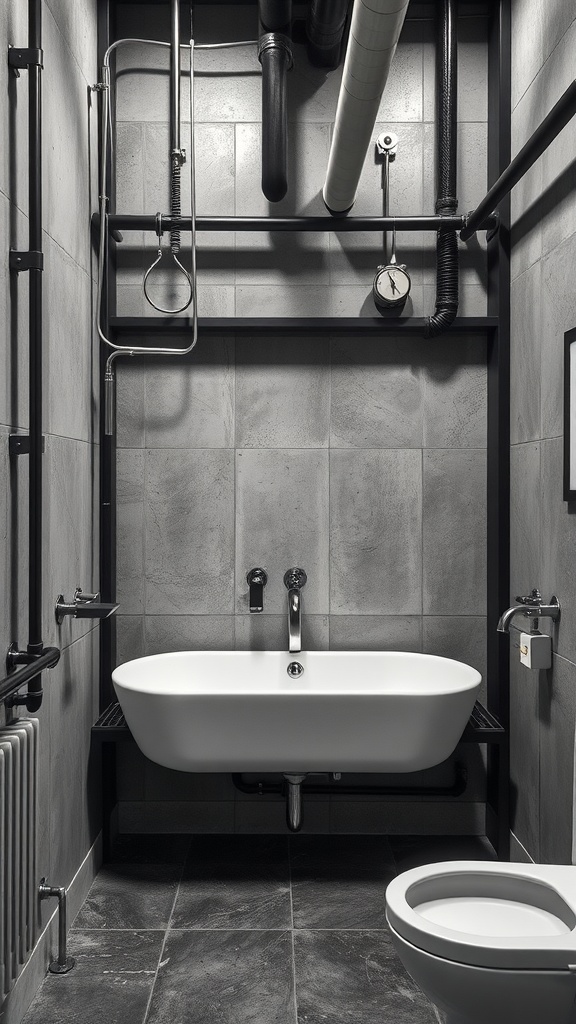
x,y
69,787
543,535
361,459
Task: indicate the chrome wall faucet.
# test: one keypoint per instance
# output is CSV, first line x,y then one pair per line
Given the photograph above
x,y
294,580
533,608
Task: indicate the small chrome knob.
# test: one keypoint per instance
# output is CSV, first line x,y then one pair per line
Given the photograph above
x,y
295,579
295,670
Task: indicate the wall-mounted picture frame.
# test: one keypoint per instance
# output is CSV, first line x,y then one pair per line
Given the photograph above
x,y
570,415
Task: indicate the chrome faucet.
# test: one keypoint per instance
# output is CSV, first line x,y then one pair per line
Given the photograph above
x,y
533,608
294,580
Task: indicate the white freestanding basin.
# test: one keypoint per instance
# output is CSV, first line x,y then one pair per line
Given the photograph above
x,y
348,711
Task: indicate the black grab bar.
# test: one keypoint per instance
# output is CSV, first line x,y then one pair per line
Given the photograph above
x,y
27,673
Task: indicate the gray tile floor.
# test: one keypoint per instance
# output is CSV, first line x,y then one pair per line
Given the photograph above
x,y
244,930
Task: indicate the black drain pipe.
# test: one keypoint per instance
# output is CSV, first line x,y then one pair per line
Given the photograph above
x,y
275,56
325,31
446,145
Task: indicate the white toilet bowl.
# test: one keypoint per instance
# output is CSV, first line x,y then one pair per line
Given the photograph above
x,y
489,943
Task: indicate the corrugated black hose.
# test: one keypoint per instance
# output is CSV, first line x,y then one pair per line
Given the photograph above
x,y
447,271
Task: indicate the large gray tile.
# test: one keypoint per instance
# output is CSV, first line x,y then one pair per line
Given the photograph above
x,y
189,531
525,514
308,147
376,393
70,532
73,812
527,45
130,403
129,638
525,365
460,637
454,391
375,532
340,881
557,721
454,556
472,64
167,633
526,232
131,896
235,882
558,572
222,977
282,392
190,403
524,751
130,530
558,316
356,976
112,980
375,633
262,632
282,259
281,522
415,851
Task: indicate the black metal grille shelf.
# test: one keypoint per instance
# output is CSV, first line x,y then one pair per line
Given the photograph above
x,y
482,727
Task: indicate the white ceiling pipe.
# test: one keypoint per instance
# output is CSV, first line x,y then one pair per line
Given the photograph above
x,y
374,33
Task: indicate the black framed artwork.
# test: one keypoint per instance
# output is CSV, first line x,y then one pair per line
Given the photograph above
x,y
570,415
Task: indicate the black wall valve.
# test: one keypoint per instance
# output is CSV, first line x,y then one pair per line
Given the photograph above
x,y
257,580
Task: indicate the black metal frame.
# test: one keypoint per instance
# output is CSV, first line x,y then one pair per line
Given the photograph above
x,y
420,222
35,658
569,402
492,725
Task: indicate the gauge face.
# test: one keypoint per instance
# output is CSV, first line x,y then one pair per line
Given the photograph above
x,y
391,286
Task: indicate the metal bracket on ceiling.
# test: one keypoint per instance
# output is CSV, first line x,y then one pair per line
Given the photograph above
x,y
31,260
20,58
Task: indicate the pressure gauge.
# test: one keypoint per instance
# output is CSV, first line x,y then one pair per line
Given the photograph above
x,y
391,286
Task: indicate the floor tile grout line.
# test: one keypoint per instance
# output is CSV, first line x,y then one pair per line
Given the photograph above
x,y
289,846
163,946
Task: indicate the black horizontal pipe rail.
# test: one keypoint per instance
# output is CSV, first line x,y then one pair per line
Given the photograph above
x,y
147,222
29,673
265,787
562,112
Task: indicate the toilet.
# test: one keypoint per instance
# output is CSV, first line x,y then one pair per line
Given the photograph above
x,y
489,943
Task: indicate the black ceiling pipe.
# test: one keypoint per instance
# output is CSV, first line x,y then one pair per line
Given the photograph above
x,y
325,31
275,56
446,148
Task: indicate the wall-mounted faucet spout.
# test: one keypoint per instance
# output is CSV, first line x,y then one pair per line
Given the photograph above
x,y
533,608
294,580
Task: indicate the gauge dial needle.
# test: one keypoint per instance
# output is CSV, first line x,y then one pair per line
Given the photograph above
x,y
392,282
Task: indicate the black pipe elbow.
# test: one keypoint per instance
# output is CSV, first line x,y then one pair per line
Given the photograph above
x,y
447,298
275,57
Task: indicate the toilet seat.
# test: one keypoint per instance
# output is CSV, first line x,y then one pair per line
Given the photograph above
x,y
509,916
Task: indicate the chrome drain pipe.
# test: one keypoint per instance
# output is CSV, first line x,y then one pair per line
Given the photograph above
x,y
294,801
63,963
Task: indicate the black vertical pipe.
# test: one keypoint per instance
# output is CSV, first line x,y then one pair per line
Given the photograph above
x,y
35,643
325,30
275,56
446,164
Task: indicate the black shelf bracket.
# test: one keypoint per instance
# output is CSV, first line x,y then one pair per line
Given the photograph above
x,y
19,444
20,58
30,260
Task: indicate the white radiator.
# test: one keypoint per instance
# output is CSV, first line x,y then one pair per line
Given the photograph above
x,y
18,874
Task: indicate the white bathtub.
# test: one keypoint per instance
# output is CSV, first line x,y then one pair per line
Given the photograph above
x,y
349,711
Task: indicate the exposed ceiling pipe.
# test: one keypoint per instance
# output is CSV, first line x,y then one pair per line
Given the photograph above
x,y
374,34
325,30
446,162
275,56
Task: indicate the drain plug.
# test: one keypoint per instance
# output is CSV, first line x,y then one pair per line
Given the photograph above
x,y
295,669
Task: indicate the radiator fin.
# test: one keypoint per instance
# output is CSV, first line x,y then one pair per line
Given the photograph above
x,y
18,846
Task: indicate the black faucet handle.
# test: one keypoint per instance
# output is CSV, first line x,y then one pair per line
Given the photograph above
x,y
257,580
535,598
